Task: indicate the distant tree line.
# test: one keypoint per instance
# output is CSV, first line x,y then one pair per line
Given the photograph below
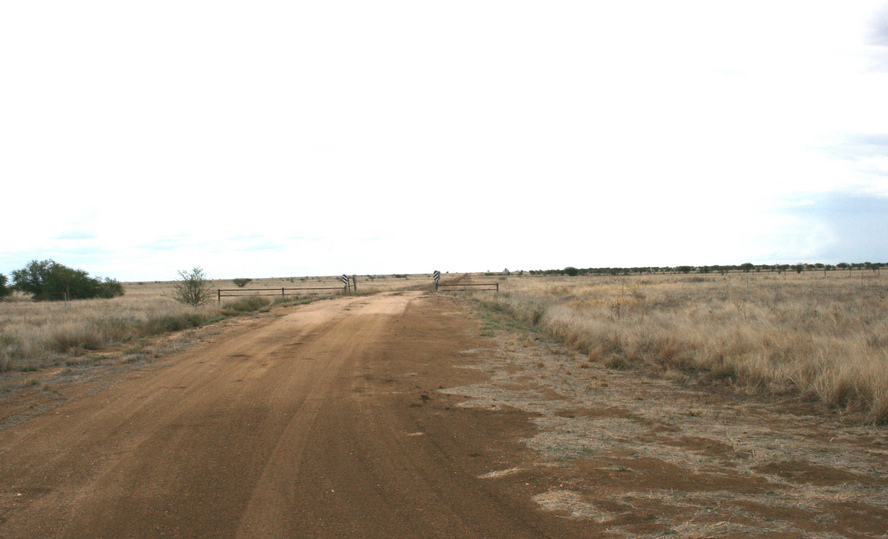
x,y
48,280
746,267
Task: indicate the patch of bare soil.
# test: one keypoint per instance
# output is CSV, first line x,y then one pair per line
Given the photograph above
x,y
397,416
639,457
27,394
323,422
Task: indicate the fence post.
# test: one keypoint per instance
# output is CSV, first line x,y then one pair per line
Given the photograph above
x,y
219,298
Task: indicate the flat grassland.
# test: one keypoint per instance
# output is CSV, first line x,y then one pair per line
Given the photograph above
x,y
821,337
818,336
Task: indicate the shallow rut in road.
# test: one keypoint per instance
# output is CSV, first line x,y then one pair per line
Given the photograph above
x,y
326,421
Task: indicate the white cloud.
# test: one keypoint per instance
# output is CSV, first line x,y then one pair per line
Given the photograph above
x,y
391,135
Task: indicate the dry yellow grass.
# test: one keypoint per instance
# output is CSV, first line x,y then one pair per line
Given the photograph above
x,y
819,336
815,335
33,335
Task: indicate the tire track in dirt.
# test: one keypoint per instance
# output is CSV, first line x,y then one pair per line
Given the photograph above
x,y
326,421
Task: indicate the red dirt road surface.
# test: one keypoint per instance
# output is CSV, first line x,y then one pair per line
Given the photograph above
x,y
411,415
325,421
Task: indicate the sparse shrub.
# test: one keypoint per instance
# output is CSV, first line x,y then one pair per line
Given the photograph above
x,y
242,282
192,288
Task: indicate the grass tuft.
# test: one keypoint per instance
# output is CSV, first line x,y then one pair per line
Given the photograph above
x,y
245,304
173,322
76,340
10,349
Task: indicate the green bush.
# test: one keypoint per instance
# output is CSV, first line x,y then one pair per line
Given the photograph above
x,y
48,280
4,290
192,288
110,288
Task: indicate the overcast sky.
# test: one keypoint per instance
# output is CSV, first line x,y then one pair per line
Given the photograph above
x,y
259,139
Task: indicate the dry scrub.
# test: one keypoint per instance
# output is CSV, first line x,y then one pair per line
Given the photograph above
x,y
821,337
35,335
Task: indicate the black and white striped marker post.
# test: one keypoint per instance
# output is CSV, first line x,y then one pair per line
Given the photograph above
x,y
345,282
436,275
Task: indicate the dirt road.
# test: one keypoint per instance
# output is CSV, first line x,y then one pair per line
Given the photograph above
x,y
412,415
323,422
